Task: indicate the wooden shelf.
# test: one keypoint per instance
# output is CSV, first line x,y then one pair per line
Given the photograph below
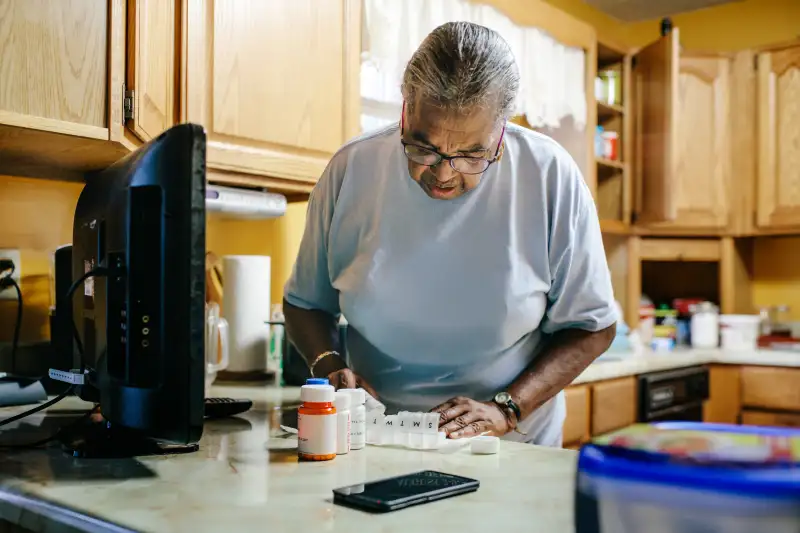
x,y
609,164
607,111
614,227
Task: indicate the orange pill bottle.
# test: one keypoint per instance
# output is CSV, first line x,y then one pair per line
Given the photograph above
x,y
316,423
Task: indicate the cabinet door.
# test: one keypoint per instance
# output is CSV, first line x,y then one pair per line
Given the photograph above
x,y
576,425
274,83
53,66
655,90
771,388
725,395
152,36
700,183
779,138
614,405
772,419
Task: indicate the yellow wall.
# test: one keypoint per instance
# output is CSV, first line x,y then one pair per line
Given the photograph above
x,y
36,218
777,273
278,238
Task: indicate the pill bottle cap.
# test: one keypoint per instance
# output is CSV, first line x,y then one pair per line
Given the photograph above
x,y
342,401
317,381
317,393
357,396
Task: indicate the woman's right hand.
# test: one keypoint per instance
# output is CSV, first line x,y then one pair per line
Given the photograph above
x,y
347,379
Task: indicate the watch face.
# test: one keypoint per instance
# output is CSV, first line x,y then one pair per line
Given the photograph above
x,y
502,397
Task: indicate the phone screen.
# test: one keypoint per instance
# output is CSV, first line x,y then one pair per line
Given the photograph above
x,y
411,487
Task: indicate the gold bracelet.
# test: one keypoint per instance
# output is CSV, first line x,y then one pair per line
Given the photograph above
x,y
319,358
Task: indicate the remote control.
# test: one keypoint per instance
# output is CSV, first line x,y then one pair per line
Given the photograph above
x,y
225,407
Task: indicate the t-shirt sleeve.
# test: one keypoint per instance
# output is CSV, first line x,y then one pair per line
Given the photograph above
x,y
580,296
309,286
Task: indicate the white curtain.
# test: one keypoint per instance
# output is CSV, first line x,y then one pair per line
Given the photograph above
x,y
552,75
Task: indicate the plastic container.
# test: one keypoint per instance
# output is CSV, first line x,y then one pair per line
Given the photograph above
x,y
316,423
358,418
610,145
276,339
693,478
704,325
342,404
739,332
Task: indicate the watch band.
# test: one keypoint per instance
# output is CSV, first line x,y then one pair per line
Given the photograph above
x,y
514,407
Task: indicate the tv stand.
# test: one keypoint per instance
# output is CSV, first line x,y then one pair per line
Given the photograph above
x,y
98,439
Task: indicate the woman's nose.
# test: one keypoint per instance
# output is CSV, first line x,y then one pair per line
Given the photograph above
x,y
443,171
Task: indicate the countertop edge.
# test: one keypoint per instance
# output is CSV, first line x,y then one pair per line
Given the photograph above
x,y
16,506
636,364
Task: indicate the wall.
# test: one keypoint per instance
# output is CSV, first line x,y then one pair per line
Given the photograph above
x,y
777,273
35,217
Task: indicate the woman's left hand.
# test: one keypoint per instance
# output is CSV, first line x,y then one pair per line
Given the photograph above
x,y
464,417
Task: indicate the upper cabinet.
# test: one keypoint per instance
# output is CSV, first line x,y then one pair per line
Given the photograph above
x,y
274,83
62,72
84,82
682,170
151,84
778,105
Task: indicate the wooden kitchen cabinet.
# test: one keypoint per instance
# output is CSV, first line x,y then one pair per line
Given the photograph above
x,y
614,405
765,418
771,388
577,427
88,81
151,86
724,402
274,83
63,66
778,111
682,138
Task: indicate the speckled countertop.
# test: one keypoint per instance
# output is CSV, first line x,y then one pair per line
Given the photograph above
x,y
245,479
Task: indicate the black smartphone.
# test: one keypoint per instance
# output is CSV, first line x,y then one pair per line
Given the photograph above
x,y
403,491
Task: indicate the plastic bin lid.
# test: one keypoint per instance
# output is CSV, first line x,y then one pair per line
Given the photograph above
x,y
756,461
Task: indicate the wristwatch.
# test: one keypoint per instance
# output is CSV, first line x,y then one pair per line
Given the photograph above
x,y
503,399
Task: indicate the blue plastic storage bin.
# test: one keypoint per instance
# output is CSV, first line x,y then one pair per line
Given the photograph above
x,y
684,477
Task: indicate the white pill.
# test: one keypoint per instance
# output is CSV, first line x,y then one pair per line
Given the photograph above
x,y
484,445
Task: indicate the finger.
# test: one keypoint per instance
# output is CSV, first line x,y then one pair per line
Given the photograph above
x,y
453,412
449,404
347,380
460,422
474,428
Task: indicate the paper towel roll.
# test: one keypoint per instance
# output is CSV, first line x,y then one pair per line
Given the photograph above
x,y
246,307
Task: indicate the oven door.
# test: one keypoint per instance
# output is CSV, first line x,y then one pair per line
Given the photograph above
x,y
682,413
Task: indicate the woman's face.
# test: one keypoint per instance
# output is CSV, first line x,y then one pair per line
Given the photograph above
x,y
473,134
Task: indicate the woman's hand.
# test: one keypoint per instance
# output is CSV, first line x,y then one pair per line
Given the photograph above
x,y
463,417
347,379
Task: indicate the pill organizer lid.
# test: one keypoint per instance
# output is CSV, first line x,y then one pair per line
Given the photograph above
x,y
357,396
317,381
317,393
484,445
755,461
342,401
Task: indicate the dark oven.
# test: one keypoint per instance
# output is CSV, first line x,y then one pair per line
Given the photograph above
x,y
673,395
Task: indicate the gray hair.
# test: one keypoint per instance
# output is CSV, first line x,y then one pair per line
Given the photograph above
x,y
461,65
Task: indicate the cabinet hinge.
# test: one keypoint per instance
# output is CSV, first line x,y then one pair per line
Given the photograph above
x,y
127,104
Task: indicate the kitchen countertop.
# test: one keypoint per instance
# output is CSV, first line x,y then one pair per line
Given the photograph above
x,y
245,479
647,361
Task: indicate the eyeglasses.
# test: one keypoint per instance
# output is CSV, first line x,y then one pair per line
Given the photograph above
x,y
429,157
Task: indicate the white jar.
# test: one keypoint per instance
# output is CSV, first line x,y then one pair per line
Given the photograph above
x,y
342,404
704,326
358,418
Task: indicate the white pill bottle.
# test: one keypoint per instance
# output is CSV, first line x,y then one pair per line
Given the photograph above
x,y
342,404
358,418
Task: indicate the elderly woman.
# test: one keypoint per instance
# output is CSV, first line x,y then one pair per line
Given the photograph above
x,y
464,251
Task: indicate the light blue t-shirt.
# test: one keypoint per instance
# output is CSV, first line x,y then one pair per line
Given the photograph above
x,y
454,298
